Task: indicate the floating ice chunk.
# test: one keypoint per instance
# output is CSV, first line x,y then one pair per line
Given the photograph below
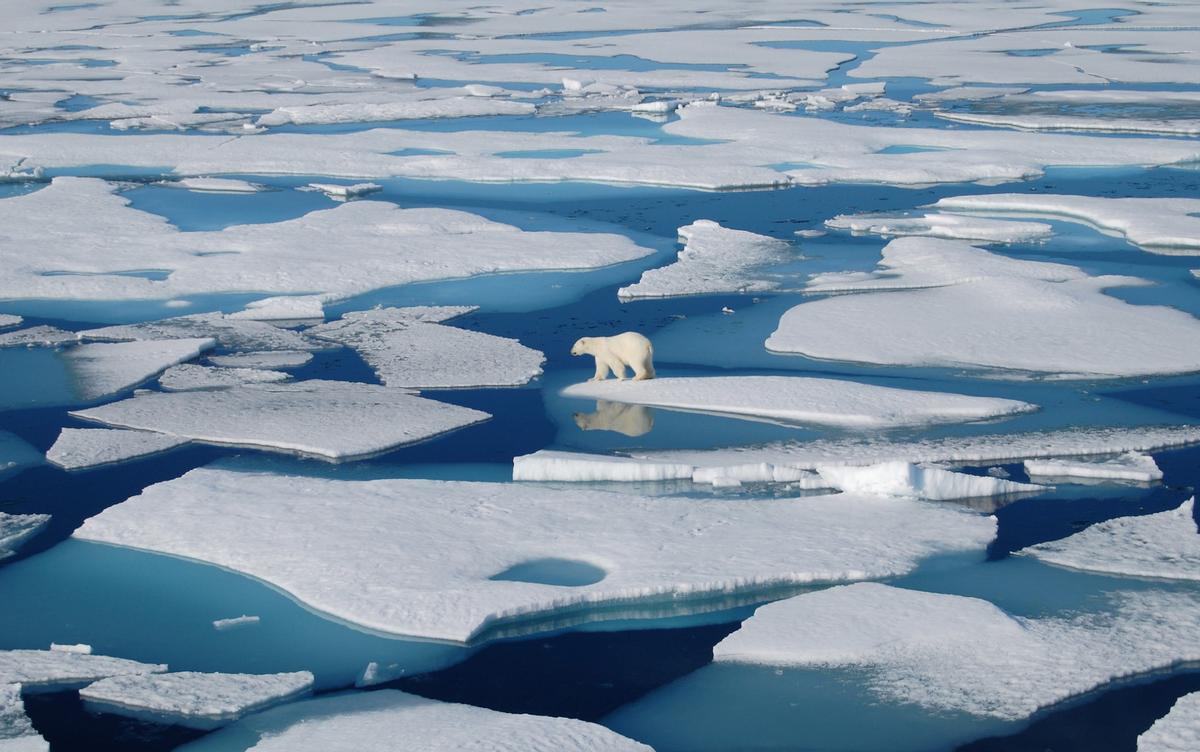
x,y
1177,731
80,648
484,90
16,732
942,226
412,109
215,185
228,331
334,420
345,192
550,465
1133,466
191,376
194,699
8,319
37,336
907,480
798,399
16,529
103,369
760,472
449,540
287,308
55,670
85,448
376,721
967,94
1175,127
951,304
951,653
236,622
408,347
1161,225
1163,545
714,259
263,359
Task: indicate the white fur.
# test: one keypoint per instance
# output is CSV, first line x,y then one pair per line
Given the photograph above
x,y
615,353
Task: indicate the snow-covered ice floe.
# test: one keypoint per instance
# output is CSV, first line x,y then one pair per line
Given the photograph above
x,y
947,303
230,331
801,400
58,670
16,732
215,185
16,529
1163,545
386,720
410,347
101,369
194,699
41,335
905,479
1160,225
283,308
346,192
333,420
235,622
84,448
1131,466
936,225
8,319
453,568
268,359
1177,731
1169,127
189,376
714,259
953,653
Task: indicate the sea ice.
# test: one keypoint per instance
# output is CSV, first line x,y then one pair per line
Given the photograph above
x,y
8,319
106,368
334,420
236,333
84,448
16,529
190,376
1178,731
37,336
215,185
1133,466
345,192
447,543
56,671
1163,545
287,308
905,479
269,359
194,699
16,732
235,622
802,400
1172,127
942,226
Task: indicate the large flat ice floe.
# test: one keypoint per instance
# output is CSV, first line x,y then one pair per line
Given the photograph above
x,y
16,732
410,347
952,653
1130,466
58,670
1163,545
17,529
801,400
714,259
1177,731
335,420
1160,225
194,699
387,720
936,225
83,448
101,369
947,303
448,565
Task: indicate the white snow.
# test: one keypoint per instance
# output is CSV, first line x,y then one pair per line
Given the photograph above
x,y
288,308
447,540
952,653
16,732
37,336
387,720
55,670
905,479
84,448
1177,731
942,226
1133,466
802,400
269,359
215,185
235,622
106,368
333,420
228,331
409,347
8,319
1169,127
81,648
413,109
1160,225
713,259
945,303
344,192
16,529
1163,545
191,376
194,699
551,465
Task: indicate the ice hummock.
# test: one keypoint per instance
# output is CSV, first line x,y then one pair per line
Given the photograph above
x,y
1129,466
1177,731
84,448
17,529
56,670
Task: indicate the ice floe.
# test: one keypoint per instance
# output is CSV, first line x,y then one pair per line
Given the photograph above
x,y
1161,225
16,732
57,670
801,400
190,376
37,336
1163,545
194,699
227,331
288,308
334,420
410,347
8,319
952,653
1079,123
346,192
235,622
215,185
947,303
904,479
439,576
379,721
1177,731
105,368
713,259
16,529
942,226
270,359
83,448
1133,466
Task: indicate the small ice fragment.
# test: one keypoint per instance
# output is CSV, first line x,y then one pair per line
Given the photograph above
x,y
346,192
284,308
80,648
236,622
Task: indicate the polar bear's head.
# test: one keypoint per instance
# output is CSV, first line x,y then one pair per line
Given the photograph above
x,y
582,346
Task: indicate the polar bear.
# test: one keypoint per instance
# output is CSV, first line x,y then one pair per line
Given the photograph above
x,y
631,420
614,353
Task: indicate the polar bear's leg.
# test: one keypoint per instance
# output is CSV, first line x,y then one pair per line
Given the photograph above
x,y
601,369
617,366
643,368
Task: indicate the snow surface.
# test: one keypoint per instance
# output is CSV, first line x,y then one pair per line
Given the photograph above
x,y
8,319
228,331
16,732
333,420
1160,225
344,192
952,653
55,670
1133,466
1163,545
191,376
799,399
194,699
408,347
103,369
36,336
387,720
16,529
905,479
448,539
946,303
1177,731
288,308
942,226
84,448
714,259
269,359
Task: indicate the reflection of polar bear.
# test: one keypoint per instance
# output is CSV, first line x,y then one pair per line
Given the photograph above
x,y
631,420
614,353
